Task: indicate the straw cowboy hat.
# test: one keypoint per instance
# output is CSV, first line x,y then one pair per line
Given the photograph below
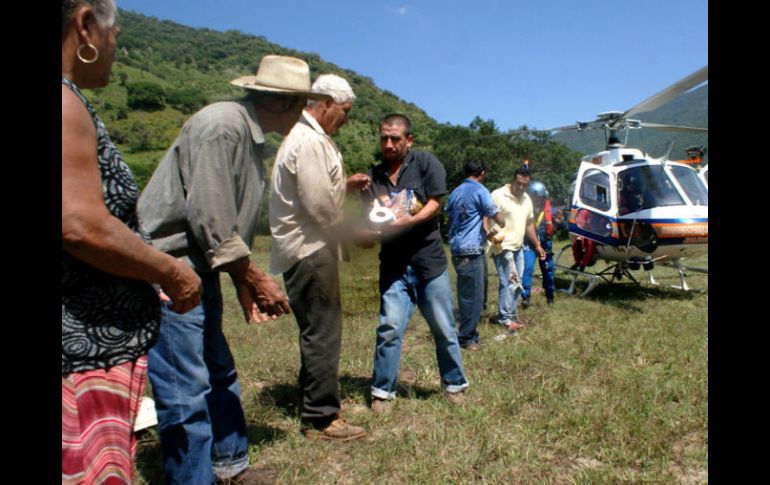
x,y
281,75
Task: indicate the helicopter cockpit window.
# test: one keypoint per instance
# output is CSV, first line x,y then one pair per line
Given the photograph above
x,y
595,190
645,187
692,185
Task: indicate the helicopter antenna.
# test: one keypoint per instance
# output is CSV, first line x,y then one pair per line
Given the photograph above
x,y
668,152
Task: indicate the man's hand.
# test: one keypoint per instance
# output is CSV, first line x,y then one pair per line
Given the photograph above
x,y
260,296
558,217
402,221
358,181
183,288
540,252
365,238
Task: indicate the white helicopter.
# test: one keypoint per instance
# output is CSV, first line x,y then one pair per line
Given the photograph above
x,y
632,210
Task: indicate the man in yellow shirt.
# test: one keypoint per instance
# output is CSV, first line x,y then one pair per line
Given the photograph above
x,y
507,251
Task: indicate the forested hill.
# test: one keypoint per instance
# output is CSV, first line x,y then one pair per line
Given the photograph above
x,y
165,71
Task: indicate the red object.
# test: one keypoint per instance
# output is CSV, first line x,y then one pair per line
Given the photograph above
x,y
548,218
98,410
583,251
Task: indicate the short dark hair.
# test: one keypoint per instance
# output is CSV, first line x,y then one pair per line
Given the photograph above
x,y
473,168
398,119
523,171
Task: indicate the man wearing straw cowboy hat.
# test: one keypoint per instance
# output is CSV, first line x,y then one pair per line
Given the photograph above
x,y
202,205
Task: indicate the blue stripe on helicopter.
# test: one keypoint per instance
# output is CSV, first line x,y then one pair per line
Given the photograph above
x,y
663,221
610,241
651,221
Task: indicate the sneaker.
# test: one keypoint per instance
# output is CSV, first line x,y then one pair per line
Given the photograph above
x,y
337,430
381,406
251,476
456,398
550,301
525,303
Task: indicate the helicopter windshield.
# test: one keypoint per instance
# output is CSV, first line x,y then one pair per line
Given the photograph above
x,y
645,187
691,184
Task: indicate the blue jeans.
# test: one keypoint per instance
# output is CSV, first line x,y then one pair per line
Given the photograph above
x,y
434,298
470,295
546,269
508,291
197,394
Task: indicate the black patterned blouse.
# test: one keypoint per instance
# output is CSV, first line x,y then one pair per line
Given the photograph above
x,y
105,319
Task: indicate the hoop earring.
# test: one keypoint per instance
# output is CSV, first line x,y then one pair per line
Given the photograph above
x,y
88,61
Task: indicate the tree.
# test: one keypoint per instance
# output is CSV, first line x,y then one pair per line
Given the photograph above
x,y
146,96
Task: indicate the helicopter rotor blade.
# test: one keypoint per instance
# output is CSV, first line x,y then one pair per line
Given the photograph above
x,y
683,129
669,93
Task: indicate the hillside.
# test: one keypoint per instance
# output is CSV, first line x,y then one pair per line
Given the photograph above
x,y
172,70
689,109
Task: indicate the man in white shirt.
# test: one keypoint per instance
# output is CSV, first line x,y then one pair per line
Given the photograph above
x,y
516,208
307,195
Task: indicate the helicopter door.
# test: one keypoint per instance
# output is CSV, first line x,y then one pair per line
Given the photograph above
x,y
592,204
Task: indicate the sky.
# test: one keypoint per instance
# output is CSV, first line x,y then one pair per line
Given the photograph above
x,y
540,63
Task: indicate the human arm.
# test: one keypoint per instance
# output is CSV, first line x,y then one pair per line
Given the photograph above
x,y
259,295
491,210
316,167
428,211
221,203
532,235
92,234
357,182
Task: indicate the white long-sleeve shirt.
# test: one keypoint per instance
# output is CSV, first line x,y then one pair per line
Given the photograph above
x,y
307,194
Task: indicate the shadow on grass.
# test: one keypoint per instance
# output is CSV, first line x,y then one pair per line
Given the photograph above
x,y
149,461
627,295
281,395
359,387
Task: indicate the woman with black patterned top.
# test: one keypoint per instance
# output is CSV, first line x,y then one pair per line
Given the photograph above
x,y
110,310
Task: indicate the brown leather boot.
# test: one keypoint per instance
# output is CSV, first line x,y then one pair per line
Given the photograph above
x,y
337,430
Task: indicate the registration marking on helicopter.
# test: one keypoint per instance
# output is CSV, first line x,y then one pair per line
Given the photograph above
x,y
681,230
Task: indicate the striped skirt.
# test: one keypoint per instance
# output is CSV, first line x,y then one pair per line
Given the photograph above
x,y
98,410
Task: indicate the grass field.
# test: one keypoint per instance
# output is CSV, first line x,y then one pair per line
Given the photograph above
x,y
611,388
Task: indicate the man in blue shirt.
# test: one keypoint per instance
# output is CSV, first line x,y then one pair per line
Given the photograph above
x,y
468,204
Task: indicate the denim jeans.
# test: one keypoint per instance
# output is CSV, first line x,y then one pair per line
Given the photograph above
x,y
397,303
197,394
508,291
470,295
546,269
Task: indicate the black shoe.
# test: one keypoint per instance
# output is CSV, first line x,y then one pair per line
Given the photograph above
x,y
525,303
550,301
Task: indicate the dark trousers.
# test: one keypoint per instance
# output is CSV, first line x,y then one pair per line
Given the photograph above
x,y
313,287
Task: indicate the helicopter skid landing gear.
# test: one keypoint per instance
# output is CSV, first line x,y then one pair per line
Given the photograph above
x,y
593,279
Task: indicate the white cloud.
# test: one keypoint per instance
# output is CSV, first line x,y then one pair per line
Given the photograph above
x,y
402,10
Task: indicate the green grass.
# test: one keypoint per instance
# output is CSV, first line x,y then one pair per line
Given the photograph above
x,y
611,388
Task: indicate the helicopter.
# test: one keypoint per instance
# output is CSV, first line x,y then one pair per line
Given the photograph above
x,y
632,210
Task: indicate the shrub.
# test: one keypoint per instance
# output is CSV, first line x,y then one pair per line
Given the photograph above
x,y
146,96
186,100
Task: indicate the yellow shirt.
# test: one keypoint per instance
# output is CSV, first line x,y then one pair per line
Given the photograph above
x,y
517,213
